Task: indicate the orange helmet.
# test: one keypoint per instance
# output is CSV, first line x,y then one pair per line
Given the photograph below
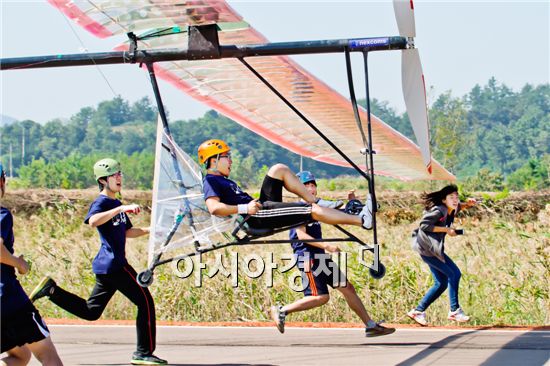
x,y
211,148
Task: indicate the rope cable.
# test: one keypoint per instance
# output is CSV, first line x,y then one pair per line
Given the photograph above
x,y
85,49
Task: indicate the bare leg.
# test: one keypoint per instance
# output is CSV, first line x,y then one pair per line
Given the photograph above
x,y
332,216
308,302
17,356
45,352
354,302
290,182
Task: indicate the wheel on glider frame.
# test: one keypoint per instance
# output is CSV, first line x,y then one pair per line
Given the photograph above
x,y
378,274
145,278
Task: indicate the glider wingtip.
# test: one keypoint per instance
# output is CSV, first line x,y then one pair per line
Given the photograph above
x,y
429,168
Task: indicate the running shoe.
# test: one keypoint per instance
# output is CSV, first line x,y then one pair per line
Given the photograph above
x,y
458,316
279,317
418,316
44,288
143,359
329,204
366,214
378,331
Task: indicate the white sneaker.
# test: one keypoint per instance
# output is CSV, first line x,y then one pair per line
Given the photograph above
x,y
329,204
366,214
458,316
418,316
279,317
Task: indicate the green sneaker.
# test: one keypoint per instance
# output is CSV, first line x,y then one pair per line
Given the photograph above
x,y
141,359
44,288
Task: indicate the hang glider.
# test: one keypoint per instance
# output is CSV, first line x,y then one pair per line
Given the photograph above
x,y
182,227
208,51
228,86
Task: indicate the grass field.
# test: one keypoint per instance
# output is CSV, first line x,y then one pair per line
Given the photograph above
x,y
504,258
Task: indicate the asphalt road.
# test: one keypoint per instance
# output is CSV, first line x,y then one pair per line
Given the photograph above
x,y
113,345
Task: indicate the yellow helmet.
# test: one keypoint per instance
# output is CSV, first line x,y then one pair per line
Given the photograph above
x,y
211,148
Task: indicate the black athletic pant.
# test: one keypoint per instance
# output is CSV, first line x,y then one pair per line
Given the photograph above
x,y
105,287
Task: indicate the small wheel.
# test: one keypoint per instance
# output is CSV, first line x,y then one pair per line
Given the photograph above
x,y
378,274
145,278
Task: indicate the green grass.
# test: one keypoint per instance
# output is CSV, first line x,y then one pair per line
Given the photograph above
x,y
504,258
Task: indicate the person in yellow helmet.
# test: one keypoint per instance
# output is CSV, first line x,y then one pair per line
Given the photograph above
x,y
224,197
112,270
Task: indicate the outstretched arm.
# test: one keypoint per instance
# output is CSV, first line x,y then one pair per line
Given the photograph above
x,y
11,260
136,232
470,202
100,218
218,208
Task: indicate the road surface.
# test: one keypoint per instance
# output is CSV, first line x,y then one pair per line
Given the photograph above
x,y
185,345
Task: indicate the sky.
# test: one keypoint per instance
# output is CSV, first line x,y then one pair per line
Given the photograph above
x,y
461,44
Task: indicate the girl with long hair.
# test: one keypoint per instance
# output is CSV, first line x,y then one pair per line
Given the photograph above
x,y
428,241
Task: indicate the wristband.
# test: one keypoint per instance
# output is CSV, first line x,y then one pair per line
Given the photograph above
x,y
242,209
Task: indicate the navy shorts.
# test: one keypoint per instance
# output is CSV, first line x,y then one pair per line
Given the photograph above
x,y
318,273
275,213
24,326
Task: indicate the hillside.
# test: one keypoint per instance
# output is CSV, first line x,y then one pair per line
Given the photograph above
x,y
396,207
492,138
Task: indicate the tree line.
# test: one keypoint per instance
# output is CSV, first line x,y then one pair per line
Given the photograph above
x,y
492,138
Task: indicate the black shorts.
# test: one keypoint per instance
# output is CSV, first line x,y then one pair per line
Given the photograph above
x,y
276,213
321,273
25,326
272,190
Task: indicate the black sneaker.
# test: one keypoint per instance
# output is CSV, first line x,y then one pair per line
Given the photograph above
x,y
142,359
378,331
44,288
278,317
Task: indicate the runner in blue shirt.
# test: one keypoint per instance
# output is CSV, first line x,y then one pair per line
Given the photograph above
x,y
112,271
22,329
224,197
310,257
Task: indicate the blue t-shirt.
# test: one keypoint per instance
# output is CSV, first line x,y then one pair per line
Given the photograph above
x,y
112,234
12,295
225,189
313,229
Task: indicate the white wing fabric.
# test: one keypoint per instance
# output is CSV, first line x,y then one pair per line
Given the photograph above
x,y
228,87
179,218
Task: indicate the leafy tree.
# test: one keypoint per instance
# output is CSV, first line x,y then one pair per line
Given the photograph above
x,y
243,169
491,135
484,180
448,132
116,111
533,175
388,115
143,111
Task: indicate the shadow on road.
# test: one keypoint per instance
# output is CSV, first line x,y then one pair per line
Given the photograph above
x,y
536,342
533,341
435,347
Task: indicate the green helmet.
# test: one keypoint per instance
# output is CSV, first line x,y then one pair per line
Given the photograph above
x,y
105,168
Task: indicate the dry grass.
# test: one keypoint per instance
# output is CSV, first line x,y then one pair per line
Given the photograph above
x,y
504,258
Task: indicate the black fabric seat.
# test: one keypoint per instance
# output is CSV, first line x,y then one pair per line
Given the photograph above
x,y
255,232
